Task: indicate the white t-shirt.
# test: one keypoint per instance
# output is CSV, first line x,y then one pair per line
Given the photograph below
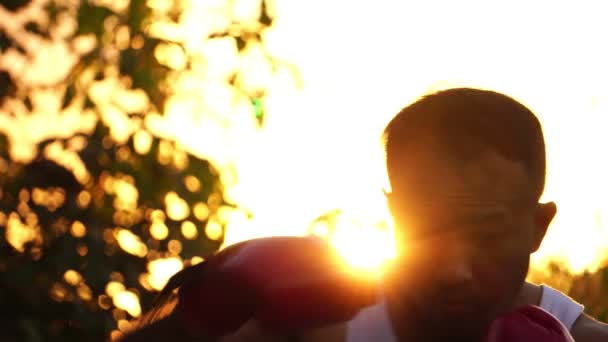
x,y
373,322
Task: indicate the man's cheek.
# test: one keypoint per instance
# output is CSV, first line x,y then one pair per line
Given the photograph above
x,y
413,277
501,275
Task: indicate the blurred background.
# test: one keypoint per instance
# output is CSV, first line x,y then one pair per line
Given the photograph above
x,y
138,136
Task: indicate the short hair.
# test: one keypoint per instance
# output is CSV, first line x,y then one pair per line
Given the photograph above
x,y
465,122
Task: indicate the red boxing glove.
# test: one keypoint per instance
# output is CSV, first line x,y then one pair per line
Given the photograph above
x,y
286,283
528,324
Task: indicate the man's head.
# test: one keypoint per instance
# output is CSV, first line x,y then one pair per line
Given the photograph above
x,y
467,168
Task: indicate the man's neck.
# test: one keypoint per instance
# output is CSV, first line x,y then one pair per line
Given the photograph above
x,y
529,294
407,329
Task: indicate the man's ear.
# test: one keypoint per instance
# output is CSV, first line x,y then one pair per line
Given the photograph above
x,y
545,212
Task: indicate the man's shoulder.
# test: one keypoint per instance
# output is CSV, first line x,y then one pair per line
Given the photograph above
x,y
587,329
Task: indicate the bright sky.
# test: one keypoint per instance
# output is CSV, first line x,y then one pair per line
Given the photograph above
x,y
360,63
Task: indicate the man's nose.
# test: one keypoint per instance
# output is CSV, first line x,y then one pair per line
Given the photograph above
x,y
456,262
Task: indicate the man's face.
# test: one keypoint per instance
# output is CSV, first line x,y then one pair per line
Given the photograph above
x,y
466,231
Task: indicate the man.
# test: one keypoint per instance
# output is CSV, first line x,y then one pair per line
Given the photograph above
x,y
467,169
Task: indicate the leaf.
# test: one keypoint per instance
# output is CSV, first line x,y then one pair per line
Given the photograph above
x,y
90,19
145,71
28,103
7,87
258,109
88,103
265,18
52,10
14,5
4,147
138,11
7,42
34,28
240,43
69,95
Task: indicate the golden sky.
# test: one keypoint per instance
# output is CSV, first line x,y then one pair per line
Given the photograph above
x,y
359,62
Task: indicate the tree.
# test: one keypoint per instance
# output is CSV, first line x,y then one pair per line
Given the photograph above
x,y
88,209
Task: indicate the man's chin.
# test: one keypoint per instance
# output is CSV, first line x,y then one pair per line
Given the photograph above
x,y
458,328
458,334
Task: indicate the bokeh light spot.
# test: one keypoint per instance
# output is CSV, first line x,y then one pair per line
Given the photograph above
x,y
83,199
161,270
84,292
114,287
189,230
176,207
214,230
196,260
174,247
78,229
128,301
72,277
159,230
201,211
192,183
142,141
131,243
